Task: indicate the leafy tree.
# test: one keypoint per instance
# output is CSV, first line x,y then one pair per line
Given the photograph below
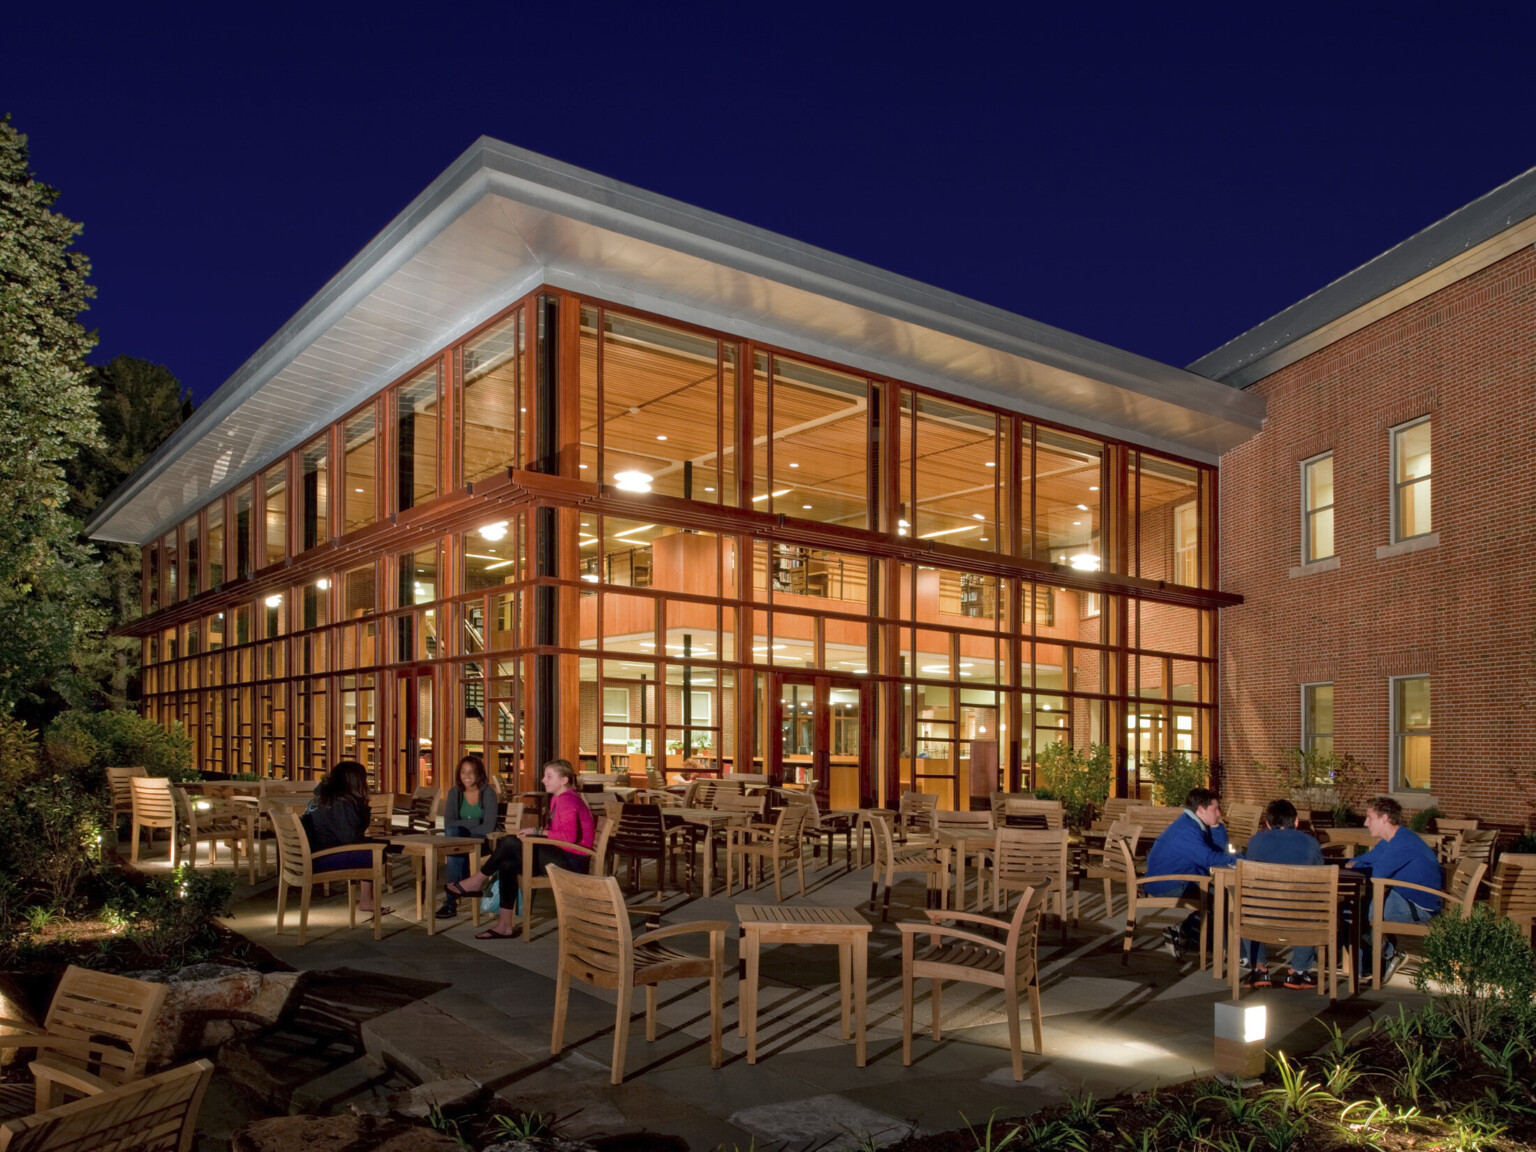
x,y
47,416
139,404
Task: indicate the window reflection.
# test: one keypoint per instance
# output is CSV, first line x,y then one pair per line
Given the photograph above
x,y
492,420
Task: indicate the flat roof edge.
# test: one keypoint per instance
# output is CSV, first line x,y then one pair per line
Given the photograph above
x,y
1494,212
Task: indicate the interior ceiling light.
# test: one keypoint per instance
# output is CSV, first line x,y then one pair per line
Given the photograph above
x,y
1077,523
807,507
633,481
977,516
494,532
583,467
948,531
275,600
1093,487
359,491
1084,562
1083,507
780,492
323,584
794,465
990,464
709,489
661,437
629,531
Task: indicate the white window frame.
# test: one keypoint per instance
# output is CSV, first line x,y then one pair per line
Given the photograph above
x,y
1307,737
1307,513
1397,488
1396,732
610,720
1189,554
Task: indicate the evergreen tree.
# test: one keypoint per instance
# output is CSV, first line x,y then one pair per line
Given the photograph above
x,y
139,404
47,416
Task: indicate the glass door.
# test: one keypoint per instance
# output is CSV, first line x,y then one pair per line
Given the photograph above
x,y
820,732
413,730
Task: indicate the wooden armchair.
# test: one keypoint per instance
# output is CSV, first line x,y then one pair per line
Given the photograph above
x,y
421,813
598,947
153,1114
153,807
1138,902
230,822
914,813
1113,810
122,791
1242,822
1110,867
1027,812
1460,892
1512,892
531,883
819,824
296,869
1154,819
1021,857
975,827
784,840
1288,904
639,833
95,1036
953,953
924,858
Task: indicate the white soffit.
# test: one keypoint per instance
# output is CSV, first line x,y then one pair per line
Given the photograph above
x,y
501,221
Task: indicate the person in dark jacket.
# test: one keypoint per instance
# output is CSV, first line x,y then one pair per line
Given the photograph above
x,y
1281,842
1399,854
1192,845
470,810
339,815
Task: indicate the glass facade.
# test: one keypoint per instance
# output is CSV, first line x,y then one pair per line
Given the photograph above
x,y
853,581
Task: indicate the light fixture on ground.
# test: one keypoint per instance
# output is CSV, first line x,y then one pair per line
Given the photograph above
x,y
633,481
1239,1039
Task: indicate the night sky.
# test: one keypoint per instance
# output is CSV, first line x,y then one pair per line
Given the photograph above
x,y
1158,178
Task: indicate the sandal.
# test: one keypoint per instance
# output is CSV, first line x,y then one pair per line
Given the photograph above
x,y
382,911
458,891
492,934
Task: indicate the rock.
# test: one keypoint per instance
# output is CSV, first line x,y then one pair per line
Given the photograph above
x,y
209,1004
15,1005
431,1046
539,1144
417,1103
339,1134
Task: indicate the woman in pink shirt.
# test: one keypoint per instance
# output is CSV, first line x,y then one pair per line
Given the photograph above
x,y
570,820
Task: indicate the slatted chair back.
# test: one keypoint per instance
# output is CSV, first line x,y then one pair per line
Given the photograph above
x,y
638,830
1114,809
512,816
422,816
915,811
1154,819
292,846
1465,881
597,864
745,778
595,938
1242,822
785,840
1513,890
598,781
1106,864
1024,813
114,1016
700,792
229,822
752,806
1289,904
1445,824
154,1114
153,807
997,802
1478,844
728,787
1022,856
964,823
122,791
381,814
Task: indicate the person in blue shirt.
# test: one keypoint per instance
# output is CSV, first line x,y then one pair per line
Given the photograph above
x,y
1399,855
1281,842
1192,845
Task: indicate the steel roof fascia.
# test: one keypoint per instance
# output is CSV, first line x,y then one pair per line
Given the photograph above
x,y
1240,361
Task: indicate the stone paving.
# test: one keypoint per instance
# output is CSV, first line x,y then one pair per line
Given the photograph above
x,y
1108,1028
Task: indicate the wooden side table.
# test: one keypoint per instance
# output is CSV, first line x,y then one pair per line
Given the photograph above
x,y
844,928
429,849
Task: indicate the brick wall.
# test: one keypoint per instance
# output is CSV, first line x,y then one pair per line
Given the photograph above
x,y
1463,612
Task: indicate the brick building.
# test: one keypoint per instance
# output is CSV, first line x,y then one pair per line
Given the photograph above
x,y
1380,528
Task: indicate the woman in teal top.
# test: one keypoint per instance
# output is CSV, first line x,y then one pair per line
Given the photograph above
x,y
470,810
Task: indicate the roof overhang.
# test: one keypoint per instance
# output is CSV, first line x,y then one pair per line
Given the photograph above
x,y
502,221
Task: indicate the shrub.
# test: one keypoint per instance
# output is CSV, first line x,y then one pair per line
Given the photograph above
x,y
1484,967
172,917
1421,819
1333,778
1173,774
1080,780
86,743
50,839
18,755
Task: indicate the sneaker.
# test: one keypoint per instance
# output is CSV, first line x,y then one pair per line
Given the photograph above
x,y
1259,978
1173,943
1389,967
1301,981
448,909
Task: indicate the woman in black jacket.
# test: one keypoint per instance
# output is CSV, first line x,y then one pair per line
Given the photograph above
x,y
339,815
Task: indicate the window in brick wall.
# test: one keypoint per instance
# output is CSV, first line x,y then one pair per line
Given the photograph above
x,y
1317,718
1317,508
1411,732
1411,480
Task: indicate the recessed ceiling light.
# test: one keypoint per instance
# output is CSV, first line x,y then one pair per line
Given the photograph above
x,y
807,507
990,464
1093,488
794,465
1077,523
1083,507
984,539
633,481
661,437
977,516
357,490
709,489
583,467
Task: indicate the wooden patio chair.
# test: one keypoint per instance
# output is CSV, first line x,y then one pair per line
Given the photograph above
x,y
1110,867
296,869
821,825
639,833
975,826
1113,810
421,813
1138,902
997,803
153,807
529,883
759,845
924,858
96,1035
1478,845
1289,904
1513,890
914,813
598,947
1242,822
1021,856
121,790
1031,813
1153,819
266,831
1452,833
954,953
215,822
1460,892
153,1114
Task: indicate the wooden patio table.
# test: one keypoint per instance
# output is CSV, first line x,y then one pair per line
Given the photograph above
x,y
1353,889
706,820
844,928
430,848
960,843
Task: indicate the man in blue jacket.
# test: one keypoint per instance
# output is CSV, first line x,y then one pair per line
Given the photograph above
x,y
1281,842
1192,845
1399,854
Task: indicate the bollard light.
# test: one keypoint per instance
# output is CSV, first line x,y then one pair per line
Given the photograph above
x,y
1240,1039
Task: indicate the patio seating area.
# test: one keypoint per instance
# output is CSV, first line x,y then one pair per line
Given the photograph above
x,y
826,1055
